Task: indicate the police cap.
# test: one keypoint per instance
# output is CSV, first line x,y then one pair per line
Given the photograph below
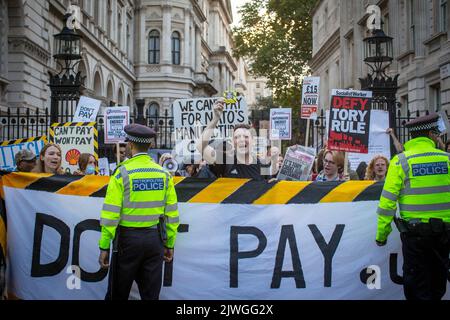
x,y
424,123
139,133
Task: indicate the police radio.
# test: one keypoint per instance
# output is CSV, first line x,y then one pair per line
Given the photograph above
x,y
170,165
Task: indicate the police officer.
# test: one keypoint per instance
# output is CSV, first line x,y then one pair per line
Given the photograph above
x,y
140,209
418,180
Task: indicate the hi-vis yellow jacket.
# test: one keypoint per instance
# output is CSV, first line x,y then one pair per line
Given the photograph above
x,y
419,180
139,192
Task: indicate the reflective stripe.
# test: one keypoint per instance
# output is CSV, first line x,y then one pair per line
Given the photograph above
x,y
147,170
134,218
111,208
126,186
426,154
425,207
172,220
143,205
171,207
426,190
385,212
109,223
389,195
405,167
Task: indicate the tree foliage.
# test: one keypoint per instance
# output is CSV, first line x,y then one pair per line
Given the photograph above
x,y
275,36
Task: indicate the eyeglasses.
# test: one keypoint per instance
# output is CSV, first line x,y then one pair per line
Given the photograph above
x,y
328,162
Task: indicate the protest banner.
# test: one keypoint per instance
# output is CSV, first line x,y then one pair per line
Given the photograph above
x,y
349,125
378,140
116,118
297,163
74,138
9,149
443,124
310,98
280,124
87,109
299,240
191,117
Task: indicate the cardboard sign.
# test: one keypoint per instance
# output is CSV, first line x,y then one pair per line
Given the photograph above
x,y
8,150
74,138
87,109
310,97
379,140
348,128
103,167
280,124
116,118
191,117
297,164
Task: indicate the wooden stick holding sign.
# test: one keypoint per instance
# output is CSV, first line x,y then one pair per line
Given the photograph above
x,y
118,152
307,132
346,166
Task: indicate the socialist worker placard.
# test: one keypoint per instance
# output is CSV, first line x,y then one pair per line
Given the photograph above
x,y
348,128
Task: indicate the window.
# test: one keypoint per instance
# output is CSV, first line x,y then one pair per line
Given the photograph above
x,y
176,48
153,47
153,110
435,97
258,86
128,40
442,15
412,31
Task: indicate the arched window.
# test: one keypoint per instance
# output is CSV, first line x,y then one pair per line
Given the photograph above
x,y
176,51
153,47
153,110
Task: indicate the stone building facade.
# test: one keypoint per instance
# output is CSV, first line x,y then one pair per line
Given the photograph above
x,y
156,50
421,48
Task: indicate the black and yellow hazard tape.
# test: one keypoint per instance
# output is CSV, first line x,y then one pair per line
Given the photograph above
x,y
239,191
25,140
78,124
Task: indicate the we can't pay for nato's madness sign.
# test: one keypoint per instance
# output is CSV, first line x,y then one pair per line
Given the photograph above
x,y
191,116
348,128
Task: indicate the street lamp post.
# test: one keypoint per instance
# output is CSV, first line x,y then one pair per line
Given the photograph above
x,y
66,85
378,55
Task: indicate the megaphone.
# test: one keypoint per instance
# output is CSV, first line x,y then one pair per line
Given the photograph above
x,y
170,165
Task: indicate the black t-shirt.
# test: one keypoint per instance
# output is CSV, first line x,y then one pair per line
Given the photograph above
x,y
244,171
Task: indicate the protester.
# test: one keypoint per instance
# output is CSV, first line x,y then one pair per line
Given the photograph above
x,y
49,160
25,160
377,168
333,167
447,146
198,170
122,152
398,146
361,170
86,165
244,164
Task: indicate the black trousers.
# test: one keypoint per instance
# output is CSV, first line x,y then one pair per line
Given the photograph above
x,y
140,259
425,265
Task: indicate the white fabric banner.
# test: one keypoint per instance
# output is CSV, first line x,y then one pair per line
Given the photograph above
x,y
228,251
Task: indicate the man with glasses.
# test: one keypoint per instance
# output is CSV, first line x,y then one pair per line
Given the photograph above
x,y
25,160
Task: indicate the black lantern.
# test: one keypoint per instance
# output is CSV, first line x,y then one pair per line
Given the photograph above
x,y
378,54
67,43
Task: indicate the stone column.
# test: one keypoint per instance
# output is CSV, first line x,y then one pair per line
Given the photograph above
x,y
198,50
143,59
166,48
187,38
